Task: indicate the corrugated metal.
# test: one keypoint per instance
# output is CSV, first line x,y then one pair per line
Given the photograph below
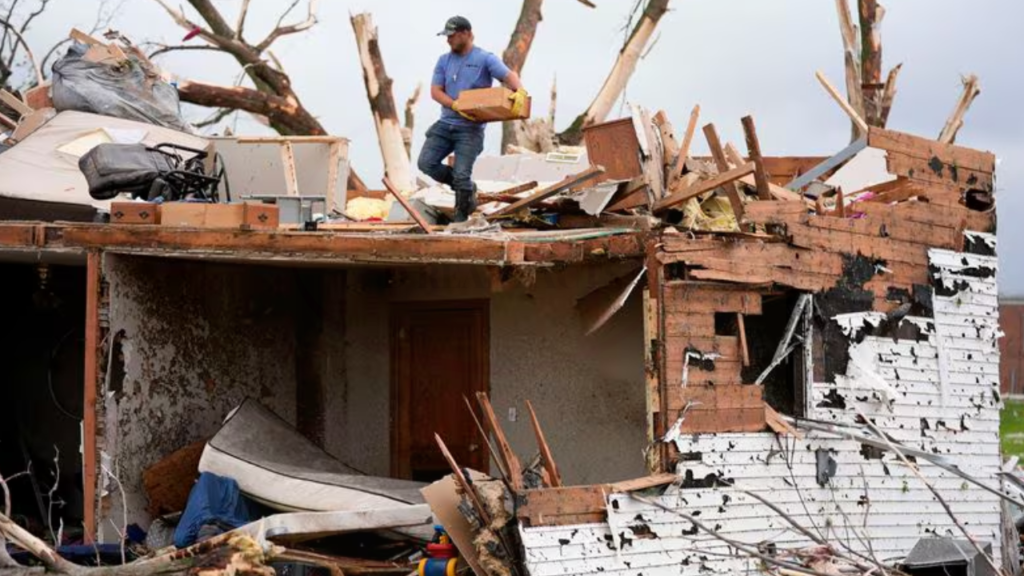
x,y
941,397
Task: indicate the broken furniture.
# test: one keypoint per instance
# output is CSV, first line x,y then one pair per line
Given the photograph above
x,y
296,166
161,173
275,465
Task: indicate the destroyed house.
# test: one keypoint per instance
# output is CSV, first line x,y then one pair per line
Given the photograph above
x,y
818,370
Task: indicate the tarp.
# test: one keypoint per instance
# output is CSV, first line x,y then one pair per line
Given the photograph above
x,y
213,500
44,166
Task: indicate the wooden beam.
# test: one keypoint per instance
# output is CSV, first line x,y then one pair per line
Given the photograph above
x,y
742,328
754,153
487,440
862,126
545,193
545,450
15,103
731,190
420,221
7,121
519,188
90,385
515,469
83,38
668,138
684,148
705,186
464,484
634,199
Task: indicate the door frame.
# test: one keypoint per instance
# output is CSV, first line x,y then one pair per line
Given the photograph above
x,y
399,394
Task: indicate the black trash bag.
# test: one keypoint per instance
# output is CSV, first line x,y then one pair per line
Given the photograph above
x,y
149,173
123,91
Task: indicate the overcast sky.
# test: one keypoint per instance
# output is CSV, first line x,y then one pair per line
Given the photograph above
x,y
733,57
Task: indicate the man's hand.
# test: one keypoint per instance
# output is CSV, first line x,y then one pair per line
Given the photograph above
x,y
518,99
467,116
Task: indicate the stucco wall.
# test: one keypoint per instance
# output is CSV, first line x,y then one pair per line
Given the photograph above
x,y
197,339
588,391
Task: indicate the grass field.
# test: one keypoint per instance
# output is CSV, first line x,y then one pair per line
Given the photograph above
x,y
1011,428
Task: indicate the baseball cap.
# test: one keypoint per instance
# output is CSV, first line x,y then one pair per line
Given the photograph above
x,y
455,24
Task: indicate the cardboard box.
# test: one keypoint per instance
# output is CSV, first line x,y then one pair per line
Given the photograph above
x,y
199,215
491,104
134,213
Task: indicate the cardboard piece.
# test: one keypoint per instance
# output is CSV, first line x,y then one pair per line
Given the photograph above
x,y
491,104
444,499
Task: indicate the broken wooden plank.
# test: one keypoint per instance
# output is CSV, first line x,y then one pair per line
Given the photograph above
x,y
83,38
699,188
821,169
562,506
935,172
654,170
524,187
742,329
754,153
463,483
774,212
925,149
545,193
862,126
635,199
731,190
597,307
412,211
15,103
668,138
684,148
487,440
7,121
732,154
515,469
778,425
644,483
545,451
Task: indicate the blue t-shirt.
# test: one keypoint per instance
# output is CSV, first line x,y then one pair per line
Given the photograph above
x,y
455,73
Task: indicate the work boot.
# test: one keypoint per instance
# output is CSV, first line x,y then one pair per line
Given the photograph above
x,y
465,204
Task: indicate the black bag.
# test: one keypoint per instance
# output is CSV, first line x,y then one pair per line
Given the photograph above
x,y
147,172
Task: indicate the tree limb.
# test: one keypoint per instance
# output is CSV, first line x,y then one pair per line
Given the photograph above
x,y
182,48
242,13
285,115
28,51
280,30
515,54
621,72
956,119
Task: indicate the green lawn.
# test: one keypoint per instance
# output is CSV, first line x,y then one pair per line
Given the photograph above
x,y
1011,428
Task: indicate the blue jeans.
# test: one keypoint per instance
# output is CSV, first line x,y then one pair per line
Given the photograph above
x,y
442,139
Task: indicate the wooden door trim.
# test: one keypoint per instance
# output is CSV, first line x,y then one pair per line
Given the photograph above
x,y
397,362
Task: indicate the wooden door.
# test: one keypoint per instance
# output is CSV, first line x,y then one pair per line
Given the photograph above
x,y
439,354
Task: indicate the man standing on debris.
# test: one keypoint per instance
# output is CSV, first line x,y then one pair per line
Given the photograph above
x,y
466,67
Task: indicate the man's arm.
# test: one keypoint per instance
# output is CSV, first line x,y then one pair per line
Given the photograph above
x,y
512,81
440,96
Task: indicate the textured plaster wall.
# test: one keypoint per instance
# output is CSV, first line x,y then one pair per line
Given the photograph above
x,y
588,391
198,338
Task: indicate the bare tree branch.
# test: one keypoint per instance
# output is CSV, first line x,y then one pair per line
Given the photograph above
x,y
280,30
182,48
215,118
28,51
241,19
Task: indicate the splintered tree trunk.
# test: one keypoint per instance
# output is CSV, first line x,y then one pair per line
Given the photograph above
x,y
285,115
385,114
624,67
871,14
515,56
852,60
